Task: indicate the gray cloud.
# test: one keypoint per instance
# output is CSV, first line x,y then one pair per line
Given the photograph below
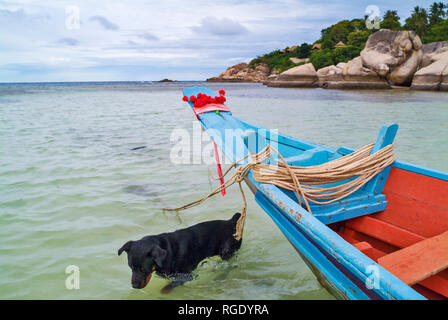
x,y
104,22
148,36
68,41
220,27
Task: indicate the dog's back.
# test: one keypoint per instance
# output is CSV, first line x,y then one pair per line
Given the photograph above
x,y
187,247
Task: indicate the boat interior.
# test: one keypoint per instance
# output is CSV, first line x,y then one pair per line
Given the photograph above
x,y
399,219
410,237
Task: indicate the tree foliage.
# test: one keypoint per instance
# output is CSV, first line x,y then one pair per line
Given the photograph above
x,y
431,25
391,20
358,38
437,13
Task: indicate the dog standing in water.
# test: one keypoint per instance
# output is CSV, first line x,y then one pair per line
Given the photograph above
x,y
177,254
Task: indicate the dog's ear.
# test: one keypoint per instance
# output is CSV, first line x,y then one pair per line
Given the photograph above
x,y
158,255
126,247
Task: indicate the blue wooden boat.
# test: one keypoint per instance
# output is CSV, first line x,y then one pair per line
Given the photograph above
x,y
388,240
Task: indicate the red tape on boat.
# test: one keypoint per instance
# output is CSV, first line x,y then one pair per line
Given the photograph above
x,y
210,108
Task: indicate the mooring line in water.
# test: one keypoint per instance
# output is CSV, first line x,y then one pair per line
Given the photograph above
x,y
237,177
360,163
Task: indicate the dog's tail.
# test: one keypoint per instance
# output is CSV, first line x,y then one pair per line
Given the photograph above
x,y
235,217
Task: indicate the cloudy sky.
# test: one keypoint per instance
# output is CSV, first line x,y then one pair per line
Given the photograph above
x,y
57,40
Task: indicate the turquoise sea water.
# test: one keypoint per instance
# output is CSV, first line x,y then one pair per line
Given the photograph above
x,y
72,192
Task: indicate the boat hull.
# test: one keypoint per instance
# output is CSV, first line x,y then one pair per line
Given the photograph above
x,y
339,265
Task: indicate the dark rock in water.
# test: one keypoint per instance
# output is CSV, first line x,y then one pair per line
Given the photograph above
x,y
138,148
144,190
167,80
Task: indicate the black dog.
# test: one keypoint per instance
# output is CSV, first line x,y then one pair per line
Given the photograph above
x,y
177,254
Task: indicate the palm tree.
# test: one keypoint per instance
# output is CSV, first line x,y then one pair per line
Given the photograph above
x,y
436,13
391,20
418,21
391,14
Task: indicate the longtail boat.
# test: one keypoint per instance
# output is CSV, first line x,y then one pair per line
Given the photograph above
x,y
387,240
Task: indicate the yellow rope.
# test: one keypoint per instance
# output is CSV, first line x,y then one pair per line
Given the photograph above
x,y
360,164
306,181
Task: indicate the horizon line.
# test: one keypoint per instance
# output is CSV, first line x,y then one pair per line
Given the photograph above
x,y
100,81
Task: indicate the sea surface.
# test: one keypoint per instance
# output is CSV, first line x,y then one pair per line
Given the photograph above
x,y
72,191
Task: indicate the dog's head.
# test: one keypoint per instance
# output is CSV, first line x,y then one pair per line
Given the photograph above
x,y
143,258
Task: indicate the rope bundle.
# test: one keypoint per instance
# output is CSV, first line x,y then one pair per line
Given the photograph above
x,y
358,168
360,164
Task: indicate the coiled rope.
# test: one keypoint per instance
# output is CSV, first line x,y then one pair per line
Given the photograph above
x,y
307,182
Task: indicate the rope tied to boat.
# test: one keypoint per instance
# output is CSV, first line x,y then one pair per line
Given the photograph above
x,y
308,183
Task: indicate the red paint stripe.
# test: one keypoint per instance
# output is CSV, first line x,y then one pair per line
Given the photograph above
x,y
218,166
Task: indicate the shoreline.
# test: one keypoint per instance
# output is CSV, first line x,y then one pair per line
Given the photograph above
x,y
389,60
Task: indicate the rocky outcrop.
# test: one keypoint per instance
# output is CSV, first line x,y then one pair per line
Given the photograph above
x,y
350,75
429,50
390,59
243,73
304,76
433,72
393,55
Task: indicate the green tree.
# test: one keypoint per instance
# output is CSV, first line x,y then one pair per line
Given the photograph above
x,y
327,43
344,54
391,20
358,24
340,31
418,21
358,38
437,13
304,50
438,32
321,58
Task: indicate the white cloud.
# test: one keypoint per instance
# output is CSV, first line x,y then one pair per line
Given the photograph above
x,y
205,35
220,27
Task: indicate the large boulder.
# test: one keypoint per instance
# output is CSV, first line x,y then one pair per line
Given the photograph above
x,y
304,76
433,74
350,75
331,76
393,55
429,50
243,73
